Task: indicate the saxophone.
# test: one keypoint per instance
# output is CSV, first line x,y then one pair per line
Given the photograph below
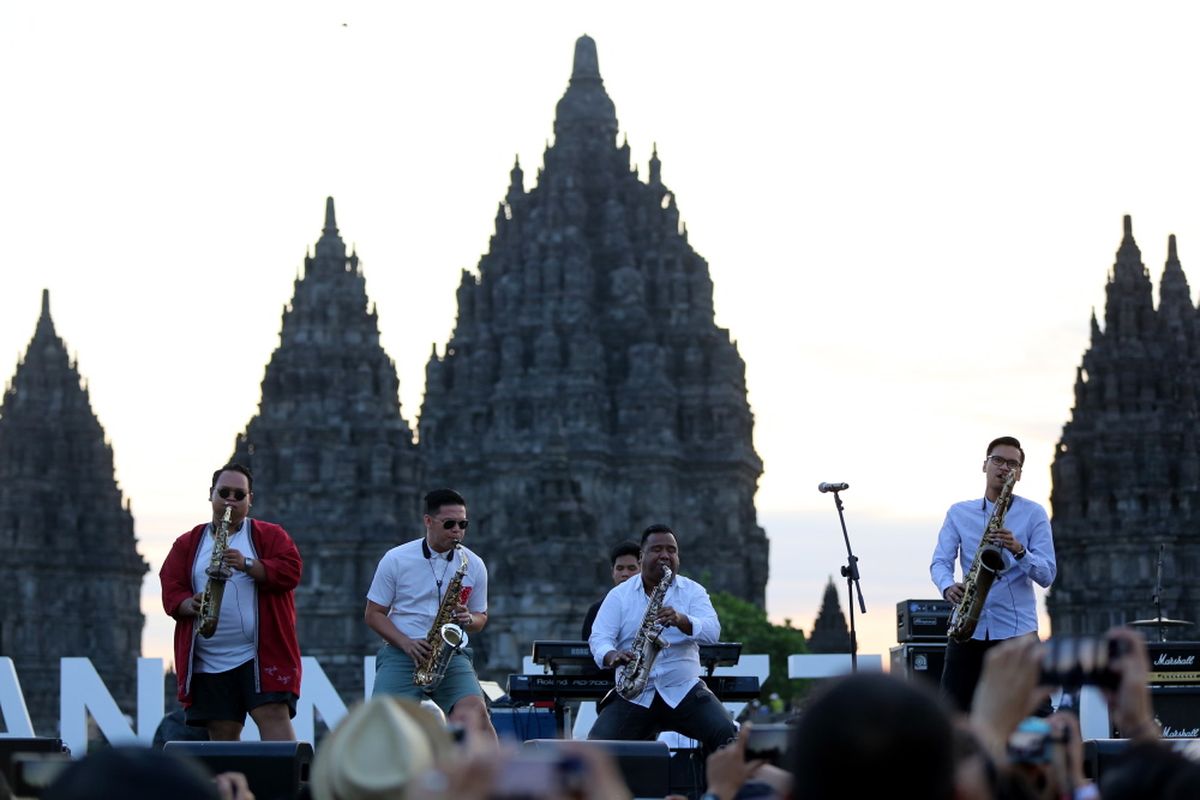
x,y
444,638
210,603
989,559
631,677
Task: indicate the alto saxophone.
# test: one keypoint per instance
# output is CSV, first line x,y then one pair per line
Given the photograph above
x,y
631,677
989,559
445,638
210,602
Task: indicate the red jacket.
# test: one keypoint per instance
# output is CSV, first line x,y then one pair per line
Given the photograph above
x,y
278,659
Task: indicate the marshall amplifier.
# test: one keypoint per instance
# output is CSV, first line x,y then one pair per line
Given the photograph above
x,y
922,661
1174,663
922,620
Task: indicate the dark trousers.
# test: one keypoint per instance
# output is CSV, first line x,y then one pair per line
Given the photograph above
x,y
699,715
964,663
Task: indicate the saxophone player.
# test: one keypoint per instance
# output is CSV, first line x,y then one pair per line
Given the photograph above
x,y
251,663
408,594
674,697
1027,548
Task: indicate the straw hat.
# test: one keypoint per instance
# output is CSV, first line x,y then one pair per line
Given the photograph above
x,y
375,752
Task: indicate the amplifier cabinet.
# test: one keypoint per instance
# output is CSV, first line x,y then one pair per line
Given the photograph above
x,y
922,661
922,620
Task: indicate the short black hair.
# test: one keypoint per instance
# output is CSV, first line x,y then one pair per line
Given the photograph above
x,y
1011,441
232,467
657,527
442,497
875,726
625,548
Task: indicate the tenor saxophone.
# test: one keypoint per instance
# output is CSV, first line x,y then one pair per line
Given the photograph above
x,y
631,678
210,602
989,559
445,638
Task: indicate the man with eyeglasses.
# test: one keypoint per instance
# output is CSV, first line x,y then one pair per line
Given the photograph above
x,y
403,602
251,663
1010,608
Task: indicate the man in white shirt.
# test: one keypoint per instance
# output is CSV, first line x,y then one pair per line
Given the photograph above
x,y
675,698
403,602
1010,609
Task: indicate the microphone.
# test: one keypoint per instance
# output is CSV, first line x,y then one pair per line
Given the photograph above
x,y
833,487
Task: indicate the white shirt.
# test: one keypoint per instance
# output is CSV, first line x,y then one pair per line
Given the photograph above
x,y
676,669
235,640
406,583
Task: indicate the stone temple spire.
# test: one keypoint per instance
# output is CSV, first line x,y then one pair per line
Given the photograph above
x,y
58,495
334,461
586,391
1126,473
586,115
830,633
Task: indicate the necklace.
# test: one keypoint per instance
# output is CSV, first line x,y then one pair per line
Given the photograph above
x,y
429,555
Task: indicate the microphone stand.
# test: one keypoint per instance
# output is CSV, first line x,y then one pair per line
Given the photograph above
x,y
1157,597
850,573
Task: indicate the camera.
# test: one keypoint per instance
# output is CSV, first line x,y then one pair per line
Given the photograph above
x,y
769,742
1032,742
1081,661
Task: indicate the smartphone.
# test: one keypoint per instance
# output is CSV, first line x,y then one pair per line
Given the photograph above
x,y
1081,661
769,742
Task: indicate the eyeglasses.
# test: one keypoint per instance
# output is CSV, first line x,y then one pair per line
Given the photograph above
x,y
448,524
225,492
1001,461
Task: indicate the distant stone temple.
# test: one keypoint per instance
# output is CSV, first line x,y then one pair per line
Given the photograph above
x,y
830,633
586,390
334,461
1126,472
71,573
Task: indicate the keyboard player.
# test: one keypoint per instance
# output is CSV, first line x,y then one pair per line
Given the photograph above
x,y
675,697
624,558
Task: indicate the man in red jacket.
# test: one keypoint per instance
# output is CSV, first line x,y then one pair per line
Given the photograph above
x,y
251,662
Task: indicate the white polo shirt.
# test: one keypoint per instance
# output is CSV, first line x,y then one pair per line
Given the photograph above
x,y
411,586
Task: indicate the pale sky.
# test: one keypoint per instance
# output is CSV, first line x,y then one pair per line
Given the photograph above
x,y
909,210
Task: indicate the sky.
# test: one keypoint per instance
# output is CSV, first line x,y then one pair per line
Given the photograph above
x,y
909,210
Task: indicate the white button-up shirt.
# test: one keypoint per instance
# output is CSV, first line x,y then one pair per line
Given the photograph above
x,y
677,667
1010,608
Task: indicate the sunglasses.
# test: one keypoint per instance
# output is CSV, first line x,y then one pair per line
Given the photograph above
x,y
448,524
224,493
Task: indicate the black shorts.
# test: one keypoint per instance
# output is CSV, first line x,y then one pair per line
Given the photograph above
x,y
230,696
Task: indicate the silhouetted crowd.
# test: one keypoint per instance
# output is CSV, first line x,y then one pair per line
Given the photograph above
x,y
865,735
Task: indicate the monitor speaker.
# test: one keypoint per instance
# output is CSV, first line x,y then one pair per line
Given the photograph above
x,y
646,766
10,747
274,770
922,661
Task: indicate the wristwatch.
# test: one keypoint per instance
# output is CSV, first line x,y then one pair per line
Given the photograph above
x,y
249,565
1020,555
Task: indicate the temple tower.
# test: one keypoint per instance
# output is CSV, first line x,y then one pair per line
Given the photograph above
x,y
71,572
586,390
830,633
1126,473
334,461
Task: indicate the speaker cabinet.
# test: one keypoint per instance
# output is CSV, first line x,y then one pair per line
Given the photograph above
x,y
1100,755
1178,709
646,766
274,770
10,747
921,661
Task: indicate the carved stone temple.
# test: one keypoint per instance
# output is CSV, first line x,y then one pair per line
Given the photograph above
x,y
830,633
586,390
1126,472
334,460
71,573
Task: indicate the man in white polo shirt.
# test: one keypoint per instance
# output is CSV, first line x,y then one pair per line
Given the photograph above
x,y
403,601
